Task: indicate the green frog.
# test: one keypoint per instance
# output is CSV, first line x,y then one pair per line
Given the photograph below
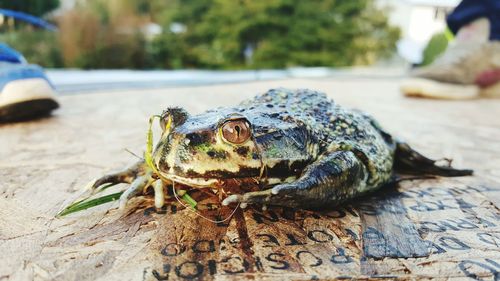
x,y
298,148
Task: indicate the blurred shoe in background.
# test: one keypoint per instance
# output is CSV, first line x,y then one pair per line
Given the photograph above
x,y
470,68
25,91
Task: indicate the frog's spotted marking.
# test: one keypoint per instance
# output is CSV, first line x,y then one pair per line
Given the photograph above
x,y
217,154
242,151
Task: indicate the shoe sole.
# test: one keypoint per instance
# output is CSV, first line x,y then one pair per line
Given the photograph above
x,y
419,87
426,88
27,110
26,99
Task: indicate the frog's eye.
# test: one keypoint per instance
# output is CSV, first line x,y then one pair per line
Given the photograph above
x,y
236,131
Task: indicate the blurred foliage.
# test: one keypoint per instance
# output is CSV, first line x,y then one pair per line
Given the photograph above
x,y
218,34
280,33
33,7
102,34
436,46
41,47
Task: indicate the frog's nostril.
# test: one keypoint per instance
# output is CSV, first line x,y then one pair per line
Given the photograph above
x,y
196,139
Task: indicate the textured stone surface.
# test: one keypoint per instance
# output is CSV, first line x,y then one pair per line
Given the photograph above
x,y
446,228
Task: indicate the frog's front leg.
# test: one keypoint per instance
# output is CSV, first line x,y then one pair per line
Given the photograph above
x,y
330,180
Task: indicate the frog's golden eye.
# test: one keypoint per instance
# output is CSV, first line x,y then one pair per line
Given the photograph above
x,y
236,131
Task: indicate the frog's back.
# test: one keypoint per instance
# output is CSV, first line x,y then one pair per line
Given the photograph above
x,y
307,108
296,102
332,127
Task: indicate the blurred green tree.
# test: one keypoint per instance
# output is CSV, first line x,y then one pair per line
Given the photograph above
x,y
273,33
217,34
33,7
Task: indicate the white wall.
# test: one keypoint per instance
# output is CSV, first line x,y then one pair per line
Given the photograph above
x,y
418,21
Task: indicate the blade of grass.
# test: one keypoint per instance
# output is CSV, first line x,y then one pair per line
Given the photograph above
x,y
85,204
189,200
148,158
104,187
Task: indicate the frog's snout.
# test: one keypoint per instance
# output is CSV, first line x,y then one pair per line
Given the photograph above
x,y
160,155
173,154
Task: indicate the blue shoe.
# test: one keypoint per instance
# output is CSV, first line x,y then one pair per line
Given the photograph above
x,y
25,91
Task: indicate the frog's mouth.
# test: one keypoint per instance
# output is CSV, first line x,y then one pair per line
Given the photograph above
x,y
193,182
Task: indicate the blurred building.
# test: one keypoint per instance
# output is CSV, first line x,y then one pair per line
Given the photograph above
x,y
418,21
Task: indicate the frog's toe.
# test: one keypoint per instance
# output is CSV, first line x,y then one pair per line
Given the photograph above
x,y
159,188
137,186
106,179
234,198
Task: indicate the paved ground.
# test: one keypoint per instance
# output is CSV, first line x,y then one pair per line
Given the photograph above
x,y
436,228
83,81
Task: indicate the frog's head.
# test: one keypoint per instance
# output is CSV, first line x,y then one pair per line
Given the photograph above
x,y
204,149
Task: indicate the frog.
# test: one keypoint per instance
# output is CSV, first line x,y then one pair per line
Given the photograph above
x,y
299,148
